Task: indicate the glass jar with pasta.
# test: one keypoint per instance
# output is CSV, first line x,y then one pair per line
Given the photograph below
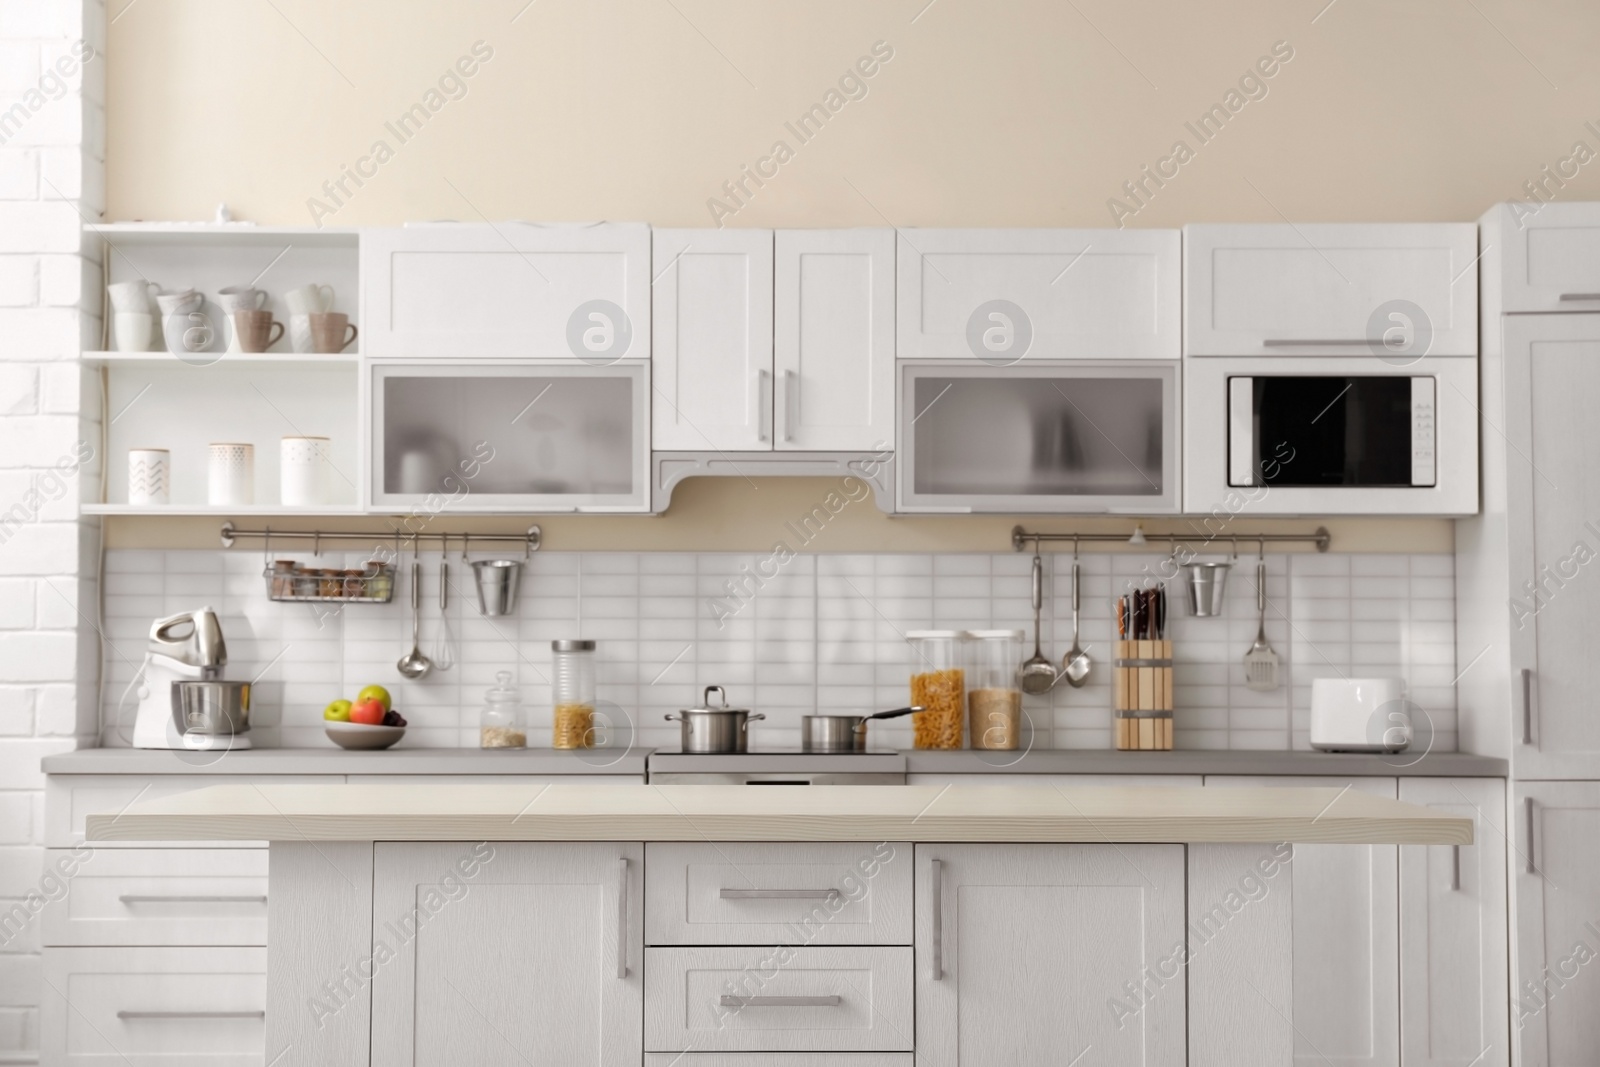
x,y
938,685
573,686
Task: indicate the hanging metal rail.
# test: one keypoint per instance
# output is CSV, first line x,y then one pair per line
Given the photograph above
x,y
529,541
1321,538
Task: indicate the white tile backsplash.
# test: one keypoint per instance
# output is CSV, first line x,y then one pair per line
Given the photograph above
x,y
824,633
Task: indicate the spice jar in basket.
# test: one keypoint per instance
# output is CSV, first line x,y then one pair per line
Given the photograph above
x,y
938,685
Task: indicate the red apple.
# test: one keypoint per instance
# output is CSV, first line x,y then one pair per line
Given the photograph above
x,y
367,712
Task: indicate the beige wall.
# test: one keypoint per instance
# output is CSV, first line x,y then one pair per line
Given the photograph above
x,y
1021,114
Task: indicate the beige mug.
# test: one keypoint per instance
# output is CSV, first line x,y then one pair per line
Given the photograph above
x,y
254,329
331,331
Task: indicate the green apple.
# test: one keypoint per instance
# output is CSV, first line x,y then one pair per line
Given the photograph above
x,y
375,692
338,711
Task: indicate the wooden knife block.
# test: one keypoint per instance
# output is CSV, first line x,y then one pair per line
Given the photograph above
x,y
1142,695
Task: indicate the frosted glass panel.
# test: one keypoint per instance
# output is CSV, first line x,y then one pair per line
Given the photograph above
x,y
550,435
1037,436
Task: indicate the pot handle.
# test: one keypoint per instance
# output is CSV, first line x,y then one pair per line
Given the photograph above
x,y
748,719
705,698
672,717
896,713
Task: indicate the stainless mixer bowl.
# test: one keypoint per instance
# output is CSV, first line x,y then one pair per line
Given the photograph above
x,y
213,708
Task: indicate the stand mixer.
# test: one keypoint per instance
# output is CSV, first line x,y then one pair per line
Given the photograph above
x,y
183,701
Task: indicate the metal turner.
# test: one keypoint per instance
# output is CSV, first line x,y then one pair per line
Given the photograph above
x,y
1261,662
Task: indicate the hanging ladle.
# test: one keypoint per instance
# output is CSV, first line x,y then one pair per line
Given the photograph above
x,y
1037,673
414,664
1077,663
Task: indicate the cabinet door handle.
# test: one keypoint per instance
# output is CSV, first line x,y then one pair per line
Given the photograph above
x,y
763,405
936,903
791,403
1580,296
780,1002
1455,867
778,894
191,1014
1527,809
1527,705
134,898
622,917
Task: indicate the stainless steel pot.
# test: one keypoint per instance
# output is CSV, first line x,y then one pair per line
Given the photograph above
x,y
708,730
211,708
841,733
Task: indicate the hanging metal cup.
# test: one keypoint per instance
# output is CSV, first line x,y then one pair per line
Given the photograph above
x,y
497,581
1206,584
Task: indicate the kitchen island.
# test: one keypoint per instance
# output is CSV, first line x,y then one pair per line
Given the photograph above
x,y
719,926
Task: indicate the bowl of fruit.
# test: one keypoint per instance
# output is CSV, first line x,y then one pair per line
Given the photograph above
x,y
367,722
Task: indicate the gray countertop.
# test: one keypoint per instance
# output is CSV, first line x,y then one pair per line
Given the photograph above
x,y
467,761
1235,761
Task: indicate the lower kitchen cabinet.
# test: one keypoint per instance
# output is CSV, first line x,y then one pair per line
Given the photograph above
x,y
1453,932
1024,952
1346,932
153,1007
1556,996
536,957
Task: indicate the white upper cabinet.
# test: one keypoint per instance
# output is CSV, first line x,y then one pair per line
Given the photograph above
x,y
833,343
1005,295
711,351
508,289
1548,259
1330,289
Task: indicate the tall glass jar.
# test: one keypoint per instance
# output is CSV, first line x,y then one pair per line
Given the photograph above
x,y
994,701
938,686
500,722
573,685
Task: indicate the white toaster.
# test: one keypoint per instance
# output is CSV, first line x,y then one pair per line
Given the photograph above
x,y
1359,715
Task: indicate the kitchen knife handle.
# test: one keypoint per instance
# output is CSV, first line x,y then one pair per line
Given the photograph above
x,y
622,917
1527,808
936,898
1527,705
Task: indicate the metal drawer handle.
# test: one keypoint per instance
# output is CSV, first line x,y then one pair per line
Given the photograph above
x,y
763,405
1527,706
791,403
1580,296
781,1002
1527,806
778,894
936,900
622,917
1455,867
1279,342
191,1014
133,898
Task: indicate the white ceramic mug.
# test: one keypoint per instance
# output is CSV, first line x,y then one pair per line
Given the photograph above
x,y
231,474
303,471
138,296
241,298
308,299
179,301
132,331
149,476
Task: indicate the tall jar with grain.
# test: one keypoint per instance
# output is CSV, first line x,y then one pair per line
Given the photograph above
x,y
573,684
994,702
938,686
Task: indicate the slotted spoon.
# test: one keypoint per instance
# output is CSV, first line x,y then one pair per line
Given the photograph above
x,y
1261,662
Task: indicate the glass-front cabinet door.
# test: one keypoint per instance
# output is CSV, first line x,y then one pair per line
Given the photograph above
x,y
486,437
1079,438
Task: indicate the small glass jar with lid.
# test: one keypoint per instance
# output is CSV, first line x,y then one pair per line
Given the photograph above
x,y
572,685
500,723
994,701
938,686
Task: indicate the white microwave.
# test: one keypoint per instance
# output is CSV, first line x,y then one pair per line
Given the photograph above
x,y
1333,435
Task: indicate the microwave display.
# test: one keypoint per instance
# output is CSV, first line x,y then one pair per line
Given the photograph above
x,y
1331,432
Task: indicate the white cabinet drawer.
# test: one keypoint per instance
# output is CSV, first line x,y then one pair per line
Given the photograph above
x,y
1327,288
778,999
70,798
780,1059
1549,260
154,1007
165,896
762,894
1091,294
515,289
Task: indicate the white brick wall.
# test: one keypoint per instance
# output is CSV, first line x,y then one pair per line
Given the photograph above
x,y
52,177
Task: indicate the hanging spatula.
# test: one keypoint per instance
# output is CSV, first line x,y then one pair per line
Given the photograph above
x,y
1261,663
